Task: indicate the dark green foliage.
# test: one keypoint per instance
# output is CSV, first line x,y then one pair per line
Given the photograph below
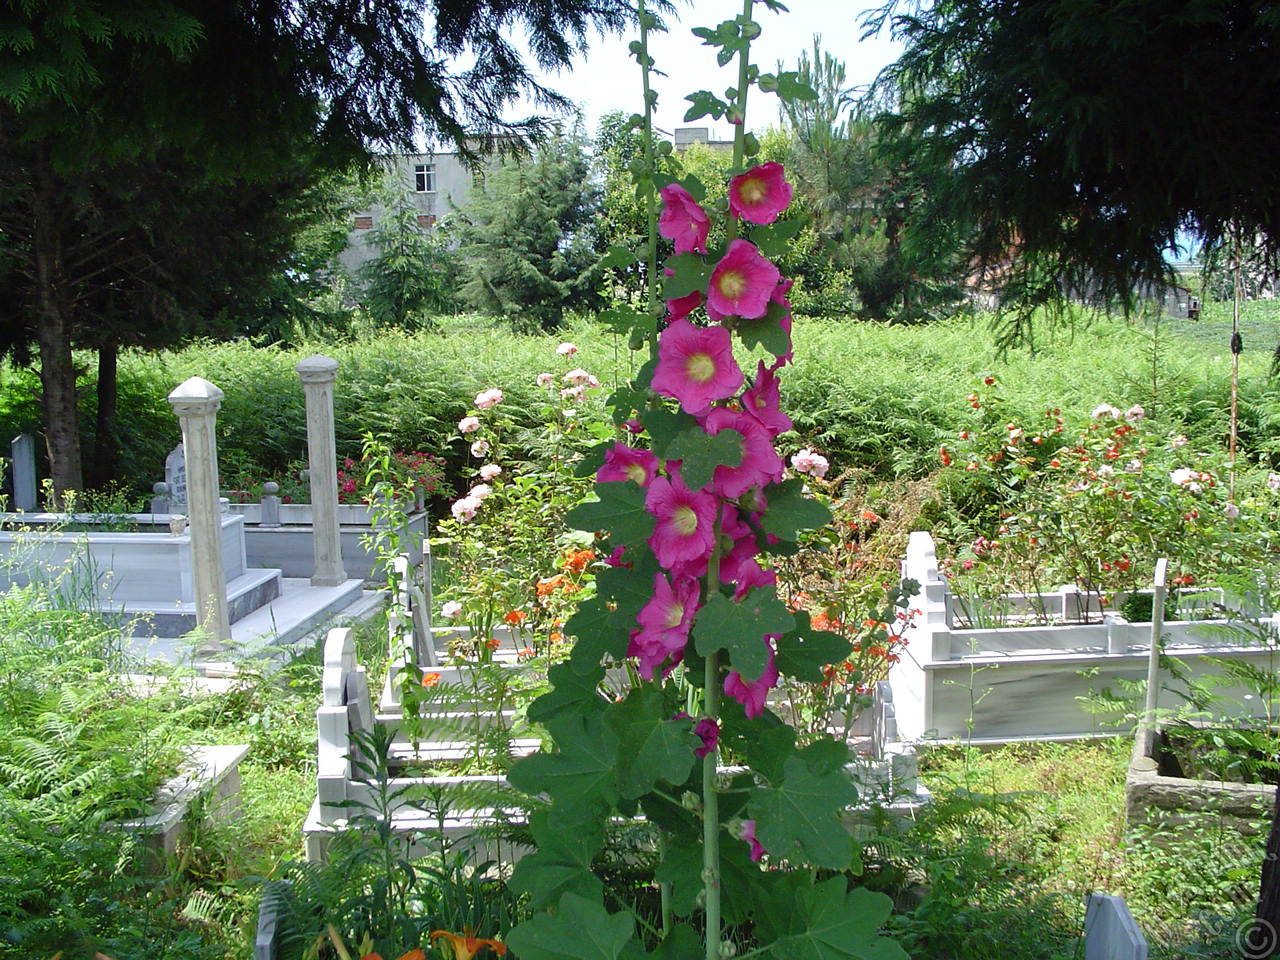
x,y
1074,135
529,248
411,279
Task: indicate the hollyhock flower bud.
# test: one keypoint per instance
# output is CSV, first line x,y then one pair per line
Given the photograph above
x,y
709,732
567,349
683,221
696,366
488,398
622,462
748,833
489,471
760,194
742,283
468,424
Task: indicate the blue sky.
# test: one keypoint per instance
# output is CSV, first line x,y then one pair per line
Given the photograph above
x,y
609,78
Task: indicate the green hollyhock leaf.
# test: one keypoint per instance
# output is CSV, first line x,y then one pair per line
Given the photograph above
x,y
766,331
704,103
618,256
628,589
791,87
768,750
571,694
691,273
701,453
798,818
830,922
740,628
598,634
775,239
682,943
582,768
651,746
664,425
803,651
790,511
592,460
580,929
619,511
568,837
682,868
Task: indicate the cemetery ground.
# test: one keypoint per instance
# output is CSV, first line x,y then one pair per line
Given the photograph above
x,y
999,865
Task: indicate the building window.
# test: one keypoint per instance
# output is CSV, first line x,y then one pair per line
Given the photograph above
x,y
424,177
427,220
364,223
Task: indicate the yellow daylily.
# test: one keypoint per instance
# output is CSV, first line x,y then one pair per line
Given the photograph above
x,y
465,946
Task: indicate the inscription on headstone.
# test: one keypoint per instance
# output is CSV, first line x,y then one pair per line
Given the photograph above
x,y
24,472
175,474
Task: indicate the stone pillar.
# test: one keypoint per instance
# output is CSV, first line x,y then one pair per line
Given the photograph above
x,y
196,402
23,467
317,373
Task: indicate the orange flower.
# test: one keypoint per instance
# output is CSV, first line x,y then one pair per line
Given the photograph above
x,y
430,679
871,516
557,636
577,561
515,617
465,946
494,643
546,587
528,652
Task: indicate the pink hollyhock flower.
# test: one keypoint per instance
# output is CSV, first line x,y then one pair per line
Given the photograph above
x,y
806,461
489,471
760,463
546,379
742,283
751,575
567,349
465,508
468,424
622,462
752,695
615,559
683,221
760,194
480,449
749,834
764,403
696,366
685,530
709,732
664,622
633,426
452,610
681,307
488,398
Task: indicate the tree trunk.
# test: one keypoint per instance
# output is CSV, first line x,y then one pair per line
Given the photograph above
x,y
53,334
105,447
1262,940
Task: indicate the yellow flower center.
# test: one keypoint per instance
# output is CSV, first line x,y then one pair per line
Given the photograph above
x,y
700,367
732,284
752,190
675,615
685,520
635,472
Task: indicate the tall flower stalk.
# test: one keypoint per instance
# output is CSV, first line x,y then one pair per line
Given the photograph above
x,y
691,505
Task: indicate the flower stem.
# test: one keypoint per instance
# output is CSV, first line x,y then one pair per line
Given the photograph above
x,y
710,795
650,165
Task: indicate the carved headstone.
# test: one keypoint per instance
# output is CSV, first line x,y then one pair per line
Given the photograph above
x,y
24,472
1109,931
175,474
